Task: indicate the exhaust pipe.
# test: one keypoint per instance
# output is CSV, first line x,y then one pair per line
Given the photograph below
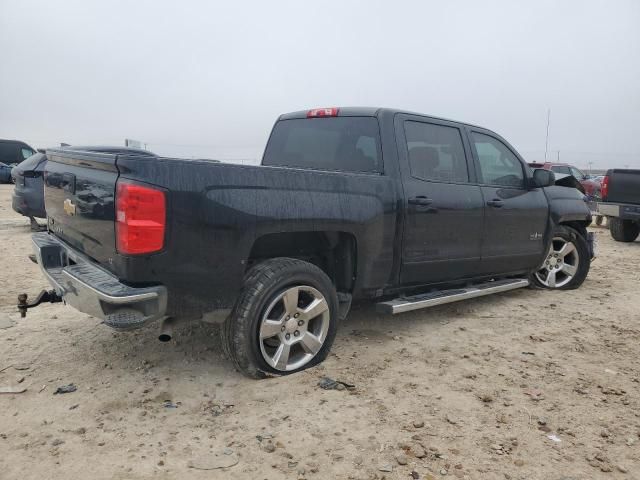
x,y
166,330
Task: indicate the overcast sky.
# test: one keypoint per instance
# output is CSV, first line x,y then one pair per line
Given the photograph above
x,y
194,78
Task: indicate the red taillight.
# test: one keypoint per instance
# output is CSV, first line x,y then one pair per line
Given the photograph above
x,y
140,218
322,112
604,187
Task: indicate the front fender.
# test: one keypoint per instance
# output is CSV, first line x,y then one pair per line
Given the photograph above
x,y
567,205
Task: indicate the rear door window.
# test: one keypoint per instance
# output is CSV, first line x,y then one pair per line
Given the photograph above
x,y
436,152
561,169
350,144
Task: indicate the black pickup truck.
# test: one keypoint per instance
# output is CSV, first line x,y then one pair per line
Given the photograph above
x,y
348,204
621,203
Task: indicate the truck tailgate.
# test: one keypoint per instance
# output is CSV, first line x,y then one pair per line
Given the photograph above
x,y
624,186
79,200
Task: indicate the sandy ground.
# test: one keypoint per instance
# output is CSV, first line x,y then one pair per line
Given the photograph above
x,y
524,385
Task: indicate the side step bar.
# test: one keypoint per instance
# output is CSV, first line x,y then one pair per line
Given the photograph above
x,y
425,300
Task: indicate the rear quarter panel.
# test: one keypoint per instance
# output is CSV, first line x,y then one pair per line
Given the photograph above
x,y
217,211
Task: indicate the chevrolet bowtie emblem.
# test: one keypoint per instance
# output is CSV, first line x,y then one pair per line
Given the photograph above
x,y
69,207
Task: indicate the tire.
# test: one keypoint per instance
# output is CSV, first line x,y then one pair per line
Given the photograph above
x,y
567,263
599,219
623,230
262,322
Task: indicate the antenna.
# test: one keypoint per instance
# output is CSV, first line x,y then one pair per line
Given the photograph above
x,y
546,142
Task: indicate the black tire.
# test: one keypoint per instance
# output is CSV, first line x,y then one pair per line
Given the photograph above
x,y
263,283
599,219
623,230
569,234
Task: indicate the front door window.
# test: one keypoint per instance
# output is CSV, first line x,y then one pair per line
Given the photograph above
x,y
498,165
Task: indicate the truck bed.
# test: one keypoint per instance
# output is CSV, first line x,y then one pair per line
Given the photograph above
x,y
214,213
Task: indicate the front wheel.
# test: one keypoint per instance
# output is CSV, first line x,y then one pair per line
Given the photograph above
x,y
284,321
567,263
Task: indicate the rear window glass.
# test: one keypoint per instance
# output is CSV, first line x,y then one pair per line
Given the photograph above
x,y
349,144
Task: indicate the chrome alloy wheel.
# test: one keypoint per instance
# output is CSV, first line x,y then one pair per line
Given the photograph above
x,y
294,328
561,264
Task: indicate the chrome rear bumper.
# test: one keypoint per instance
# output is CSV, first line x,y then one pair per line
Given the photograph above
x,y
95,291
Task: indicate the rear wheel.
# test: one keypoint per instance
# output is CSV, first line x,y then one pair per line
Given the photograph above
x,y
284,321
567,263
623,230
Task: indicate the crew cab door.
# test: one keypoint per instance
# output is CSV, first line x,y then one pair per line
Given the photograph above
x,y
443,208
516,215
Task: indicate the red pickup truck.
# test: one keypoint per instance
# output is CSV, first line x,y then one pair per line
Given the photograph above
x,y
591,185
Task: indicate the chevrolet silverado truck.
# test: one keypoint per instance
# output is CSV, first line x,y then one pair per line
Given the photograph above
x,y
348,204
621,203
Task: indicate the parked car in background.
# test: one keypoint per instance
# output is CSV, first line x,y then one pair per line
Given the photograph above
x,y
28,194
12,152
621,203
5,173
591,185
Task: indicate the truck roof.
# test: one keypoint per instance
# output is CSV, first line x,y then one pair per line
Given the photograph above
x,y
371,112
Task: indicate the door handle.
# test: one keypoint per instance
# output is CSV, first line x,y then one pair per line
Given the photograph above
x,y
420,201
496,203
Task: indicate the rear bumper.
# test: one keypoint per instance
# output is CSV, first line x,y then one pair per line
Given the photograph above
x,y
92,290
625,211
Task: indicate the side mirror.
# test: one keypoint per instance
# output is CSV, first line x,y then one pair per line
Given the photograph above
x,y
543,178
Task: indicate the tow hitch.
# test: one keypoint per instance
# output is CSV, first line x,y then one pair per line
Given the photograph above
x,y
44,296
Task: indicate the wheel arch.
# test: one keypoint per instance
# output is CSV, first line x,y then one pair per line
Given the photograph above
x,y
578,225
334,252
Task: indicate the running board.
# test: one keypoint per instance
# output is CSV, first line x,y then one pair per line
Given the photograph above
x,y
425,300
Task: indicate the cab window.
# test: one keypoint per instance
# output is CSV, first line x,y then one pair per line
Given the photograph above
x,y
348,144
497,163
436,152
